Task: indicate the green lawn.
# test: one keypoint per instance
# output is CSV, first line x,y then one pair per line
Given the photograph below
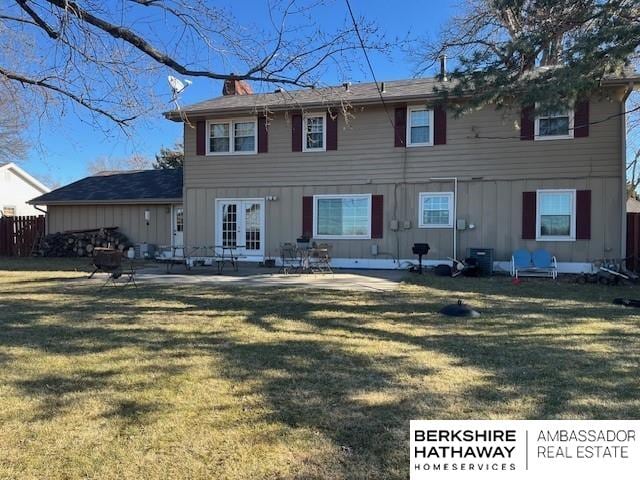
x,y
196,381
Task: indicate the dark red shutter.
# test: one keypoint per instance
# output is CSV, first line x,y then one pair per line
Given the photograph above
x,y
263,135
296,133
583,214
400,127
581,119
201,137
332,131
307,217
527,123
440,125
529,215
377,216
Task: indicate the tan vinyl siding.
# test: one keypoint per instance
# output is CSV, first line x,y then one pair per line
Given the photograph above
x,y
481,144
483,150
128,218
495,207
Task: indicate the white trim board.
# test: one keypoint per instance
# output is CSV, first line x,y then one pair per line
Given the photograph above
x,y
403,264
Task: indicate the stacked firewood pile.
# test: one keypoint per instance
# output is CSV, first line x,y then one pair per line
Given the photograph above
x,y
81,243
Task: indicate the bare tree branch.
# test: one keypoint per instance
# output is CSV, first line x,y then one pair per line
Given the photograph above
x,y
49,86
37,20
108,56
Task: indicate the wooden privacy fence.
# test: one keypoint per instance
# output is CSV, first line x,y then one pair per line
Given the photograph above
x,y
18,235
633,240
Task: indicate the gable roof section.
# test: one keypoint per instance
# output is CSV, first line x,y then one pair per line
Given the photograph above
x,y
136,186
417,89
358,93
20,173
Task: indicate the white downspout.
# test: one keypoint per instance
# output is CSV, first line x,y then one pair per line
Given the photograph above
x,y
455,211
623,154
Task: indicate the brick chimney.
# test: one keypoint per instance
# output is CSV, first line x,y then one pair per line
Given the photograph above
x,y
236,87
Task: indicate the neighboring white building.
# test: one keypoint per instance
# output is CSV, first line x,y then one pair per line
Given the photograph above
x,y
17,187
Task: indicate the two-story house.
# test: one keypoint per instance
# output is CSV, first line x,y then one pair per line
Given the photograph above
x,y
374,172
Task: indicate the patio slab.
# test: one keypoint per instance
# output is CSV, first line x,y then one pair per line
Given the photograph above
x,y
253,276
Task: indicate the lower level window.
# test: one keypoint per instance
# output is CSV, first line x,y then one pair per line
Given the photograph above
x,y
556,219
342,216
436,210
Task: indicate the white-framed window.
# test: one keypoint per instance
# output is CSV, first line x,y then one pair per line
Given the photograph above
x,y
554,126
556,215
436,210
8,211
314,132
237,137
179,219
419,126
342,216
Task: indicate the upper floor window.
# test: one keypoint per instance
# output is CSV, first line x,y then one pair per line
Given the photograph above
x,y
420,127
436,210
232,136
556,218
314,132
554,126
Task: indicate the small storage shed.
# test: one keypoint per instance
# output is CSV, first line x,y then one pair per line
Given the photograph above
x,y
145,205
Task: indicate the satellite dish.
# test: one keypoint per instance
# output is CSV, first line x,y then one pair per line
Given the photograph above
x,y
177,87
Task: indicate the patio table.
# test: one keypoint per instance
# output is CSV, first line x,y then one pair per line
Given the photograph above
x,y
228,255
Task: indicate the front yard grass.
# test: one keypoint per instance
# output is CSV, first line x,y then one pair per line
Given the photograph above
x,y
194,381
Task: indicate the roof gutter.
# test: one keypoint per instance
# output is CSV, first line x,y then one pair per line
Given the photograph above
x,y
137,201
633,81
177,116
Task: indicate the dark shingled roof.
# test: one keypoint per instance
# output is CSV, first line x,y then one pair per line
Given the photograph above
x,y
136,185
358,93
415,89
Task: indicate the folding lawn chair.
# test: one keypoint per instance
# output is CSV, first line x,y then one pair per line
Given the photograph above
x,y
544,263
520,261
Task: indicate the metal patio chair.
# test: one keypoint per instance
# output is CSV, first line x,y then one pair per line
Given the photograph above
x,y
320,258
291,258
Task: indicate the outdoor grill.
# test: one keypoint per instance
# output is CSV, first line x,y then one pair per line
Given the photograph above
x,y
420,249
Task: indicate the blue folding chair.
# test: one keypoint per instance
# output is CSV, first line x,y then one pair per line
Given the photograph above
x,y
520,260
545,263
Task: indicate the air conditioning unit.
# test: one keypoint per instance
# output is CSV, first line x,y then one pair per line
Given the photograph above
x,y
483,258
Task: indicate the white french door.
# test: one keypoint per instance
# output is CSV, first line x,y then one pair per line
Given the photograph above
x,y
240,225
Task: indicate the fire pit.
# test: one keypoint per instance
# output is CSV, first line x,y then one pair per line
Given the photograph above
x,y
109,260
420,249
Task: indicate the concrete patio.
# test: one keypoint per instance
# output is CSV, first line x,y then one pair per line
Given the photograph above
x,y
249,274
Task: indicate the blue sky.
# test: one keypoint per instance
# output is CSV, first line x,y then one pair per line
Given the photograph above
x,y
64,147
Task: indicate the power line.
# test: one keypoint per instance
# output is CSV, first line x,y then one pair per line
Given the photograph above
x,y
366,56
373,74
